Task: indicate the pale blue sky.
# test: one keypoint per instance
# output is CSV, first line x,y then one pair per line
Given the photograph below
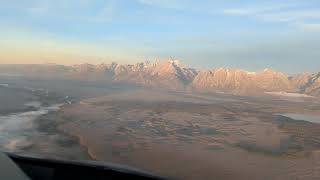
x,y
249,34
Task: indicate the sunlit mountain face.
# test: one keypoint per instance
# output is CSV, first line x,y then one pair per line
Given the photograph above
x,y
182,89
173,75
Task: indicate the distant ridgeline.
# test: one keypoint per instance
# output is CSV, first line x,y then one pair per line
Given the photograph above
x,y
173,75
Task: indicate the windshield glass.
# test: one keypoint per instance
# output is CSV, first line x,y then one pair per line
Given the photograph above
x,y
181,89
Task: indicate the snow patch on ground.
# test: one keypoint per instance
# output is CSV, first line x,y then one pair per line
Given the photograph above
x,y
4,85
295,95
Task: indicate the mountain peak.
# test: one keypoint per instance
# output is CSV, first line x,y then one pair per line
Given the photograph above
x,y
171,74
267,70
173,62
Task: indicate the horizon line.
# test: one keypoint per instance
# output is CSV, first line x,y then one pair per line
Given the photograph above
x,y
162,61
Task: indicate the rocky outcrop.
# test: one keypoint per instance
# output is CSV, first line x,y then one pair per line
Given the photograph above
x,y
171,74
240,81
313,85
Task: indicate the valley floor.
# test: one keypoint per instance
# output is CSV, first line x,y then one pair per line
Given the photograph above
x,y
189,136
173,134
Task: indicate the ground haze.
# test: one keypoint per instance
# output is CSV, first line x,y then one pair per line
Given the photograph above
x,y
181,134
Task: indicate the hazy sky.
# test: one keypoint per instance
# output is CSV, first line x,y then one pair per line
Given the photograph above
x,y
250,34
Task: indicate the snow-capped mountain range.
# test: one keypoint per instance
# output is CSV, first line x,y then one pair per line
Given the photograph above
x,y
171,74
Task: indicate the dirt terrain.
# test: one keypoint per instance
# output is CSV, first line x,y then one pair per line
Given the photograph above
x,y
174,134
191,136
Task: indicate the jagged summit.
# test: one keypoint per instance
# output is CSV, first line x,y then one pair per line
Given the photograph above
x,y
172,74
